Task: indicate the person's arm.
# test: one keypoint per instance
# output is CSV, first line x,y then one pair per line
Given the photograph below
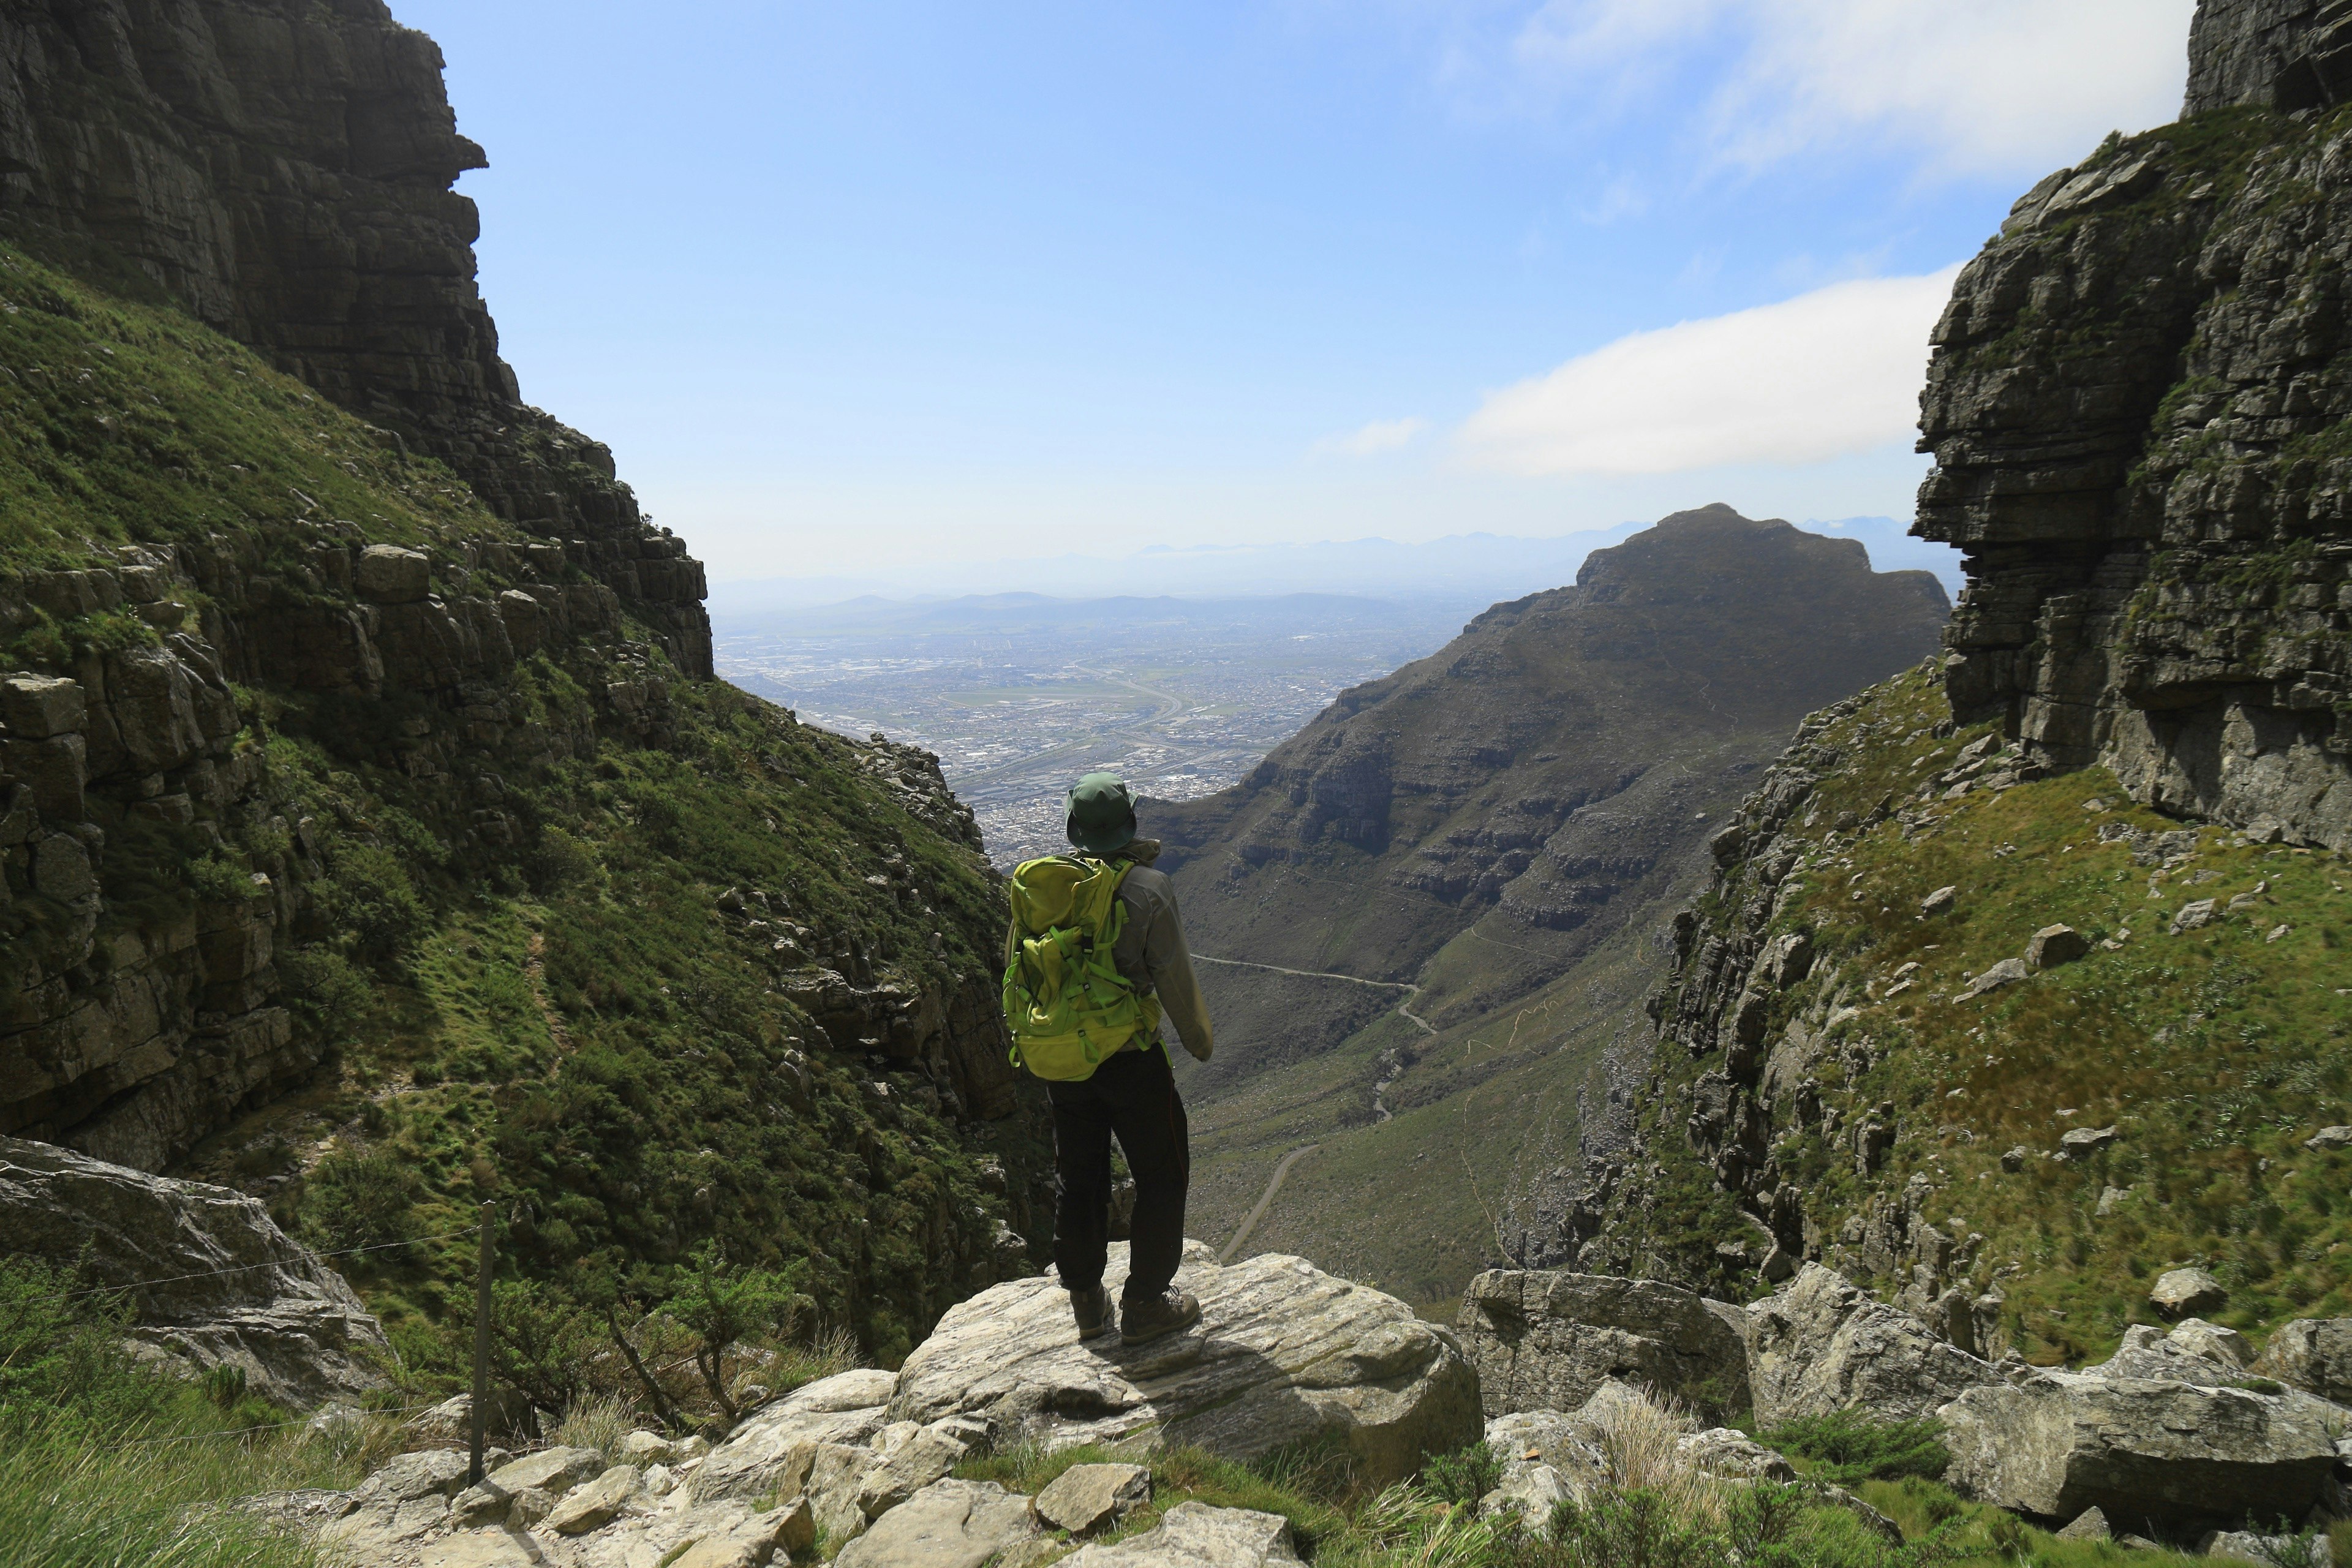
x,y
1170,965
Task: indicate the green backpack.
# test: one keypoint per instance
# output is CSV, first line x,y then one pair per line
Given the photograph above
x,y
1064,1000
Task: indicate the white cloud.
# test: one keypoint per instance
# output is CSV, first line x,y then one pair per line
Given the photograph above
x,y
1379,435
1834,372
1979,87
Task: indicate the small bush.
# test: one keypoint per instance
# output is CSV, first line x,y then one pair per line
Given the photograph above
x,y
1851,1448
1464,1476
324,990
354,1199
372,902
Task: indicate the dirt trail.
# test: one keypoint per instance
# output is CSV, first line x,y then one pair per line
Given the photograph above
x,y
1249,1223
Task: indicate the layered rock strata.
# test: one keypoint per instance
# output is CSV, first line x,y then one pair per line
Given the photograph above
x,y
283,171
2138,416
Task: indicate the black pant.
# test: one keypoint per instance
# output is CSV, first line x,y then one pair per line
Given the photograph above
x,y
1133,1094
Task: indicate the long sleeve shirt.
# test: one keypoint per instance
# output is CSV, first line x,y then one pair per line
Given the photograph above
x,y
1151,956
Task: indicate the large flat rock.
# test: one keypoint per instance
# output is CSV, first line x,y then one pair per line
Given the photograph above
x,y
1284,1351
2157,1458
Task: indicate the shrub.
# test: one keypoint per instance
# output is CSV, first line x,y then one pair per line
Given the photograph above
x,y
1851,1448
324,990
1465,1476
371,901
353,1199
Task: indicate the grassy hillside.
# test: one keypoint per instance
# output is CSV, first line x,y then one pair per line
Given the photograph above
x,y
548,973
2215,1051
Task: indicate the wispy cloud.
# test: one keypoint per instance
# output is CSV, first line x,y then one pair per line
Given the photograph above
x,y
1827,374
1988,87
1379,435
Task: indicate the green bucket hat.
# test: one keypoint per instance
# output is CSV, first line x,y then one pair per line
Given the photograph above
x,y
1100,812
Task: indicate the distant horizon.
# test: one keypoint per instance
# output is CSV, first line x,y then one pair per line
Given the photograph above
x,y
848,289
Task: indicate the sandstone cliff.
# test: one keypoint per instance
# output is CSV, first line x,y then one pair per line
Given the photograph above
x,y
374,837
282,170
1955,1015
2138,434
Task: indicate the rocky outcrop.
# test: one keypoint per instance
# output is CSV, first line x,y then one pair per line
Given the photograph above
x,y
2136,439
210,1280
283,172
1821,1345
2155,1457
1284,1353
1547,1340
2314,1354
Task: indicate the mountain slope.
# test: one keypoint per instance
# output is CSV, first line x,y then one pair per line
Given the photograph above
x,y
2138,418
1473,827
374,837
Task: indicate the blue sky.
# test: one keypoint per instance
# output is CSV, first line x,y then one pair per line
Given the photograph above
x,y
856,285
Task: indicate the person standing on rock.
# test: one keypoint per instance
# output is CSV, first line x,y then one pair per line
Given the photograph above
x,y
1094,958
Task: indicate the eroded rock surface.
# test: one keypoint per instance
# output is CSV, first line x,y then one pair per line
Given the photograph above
x,y
1547,1340
230,1289
1821,1345
1283,1353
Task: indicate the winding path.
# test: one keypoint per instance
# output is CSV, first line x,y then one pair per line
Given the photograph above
x,y
1395,1069
1249,1223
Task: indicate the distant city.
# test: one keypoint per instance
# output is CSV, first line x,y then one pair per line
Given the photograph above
x,y
1019,693
1018,697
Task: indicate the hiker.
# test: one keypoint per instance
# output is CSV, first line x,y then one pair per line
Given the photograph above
x,y
1086,1020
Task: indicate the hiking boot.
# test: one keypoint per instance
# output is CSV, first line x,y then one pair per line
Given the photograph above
x,y
1156,1315
1092,1309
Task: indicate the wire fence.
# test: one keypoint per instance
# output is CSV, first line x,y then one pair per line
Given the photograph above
x,y
249,1267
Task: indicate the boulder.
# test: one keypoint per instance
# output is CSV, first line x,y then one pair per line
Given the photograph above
x,y
947,1524
2186,1292
1546,1459
1938,903
1545,1340
1727,1452
2008,971
2084,1141
2195,915
2089,1525
910,1459
594,1504
2158,1456
1283,1353
1085,1498
2329,1138
2225,1348
2054,945
1195,1535
210,1279
783,1437
725,1534
388,574
524,1491
37,707
2249,1546
1821,1344
2314,1354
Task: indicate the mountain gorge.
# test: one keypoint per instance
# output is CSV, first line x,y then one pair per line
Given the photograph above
x,y
377,839
1486,836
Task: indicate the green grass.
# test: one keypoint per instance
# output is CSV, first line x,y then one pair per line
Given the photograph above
x,y
2215,1053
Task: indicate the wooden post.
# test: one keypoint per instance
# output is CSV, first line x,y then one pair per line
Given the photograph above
x,y
481,1402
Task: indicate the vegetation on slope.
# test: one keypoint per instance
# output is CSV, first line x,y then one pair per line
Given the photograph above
x,y
526,980
2214,1051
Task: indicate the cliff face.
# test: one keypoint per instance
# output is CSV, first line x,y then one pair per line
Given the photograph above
x,y
2143,437
283,170
372,835
2138,421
